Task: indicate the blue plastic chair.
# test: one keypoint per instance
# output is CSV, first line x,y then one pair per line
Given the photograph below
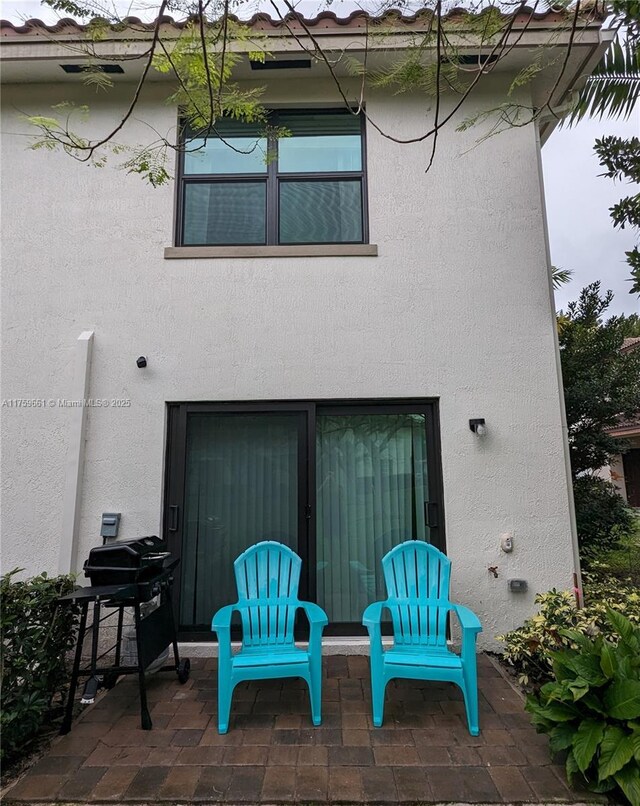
x,y
417,579
267,577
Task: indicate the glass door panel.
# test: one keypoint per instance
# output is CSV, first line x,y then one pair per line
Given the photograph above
x,y
372,488
242,485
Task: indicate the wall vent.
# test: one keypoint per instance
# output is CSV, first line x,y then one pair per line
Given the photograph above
x,y
82,68
281,64
471,59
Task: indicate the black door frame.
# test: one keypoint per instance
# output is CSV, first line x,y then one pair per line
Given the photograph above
x,y
175,475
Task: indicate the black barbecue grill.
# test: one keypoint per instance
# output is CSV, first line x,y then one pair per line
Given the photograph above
x,y
125,574
127,561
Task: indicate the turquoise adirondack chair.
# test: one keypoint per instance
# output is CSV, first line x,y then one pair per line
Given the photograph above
x,y
417,579
267,576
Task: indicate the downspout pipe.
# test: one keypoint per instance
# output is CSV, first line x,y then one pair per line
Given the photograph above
x,y
74,468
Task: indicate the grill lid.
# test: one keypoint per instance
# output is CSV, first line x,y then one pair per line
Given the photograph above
x,y
126,560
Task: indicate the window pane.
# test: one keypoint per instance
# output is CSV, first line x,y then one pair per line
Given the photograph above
x,y
320,143
224,213
321,212
216,157
239,149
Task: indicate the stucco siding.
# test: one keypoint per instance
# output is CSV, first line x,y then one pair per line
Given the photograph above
x,y
456,306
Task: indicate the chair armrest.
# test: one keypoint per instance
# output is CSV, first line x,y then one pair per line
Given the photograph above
x,y
467,618
221,622
372,616
315,614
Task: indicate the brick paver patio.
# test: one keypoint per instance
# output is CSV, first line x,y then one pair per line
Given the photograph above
x,y
273,755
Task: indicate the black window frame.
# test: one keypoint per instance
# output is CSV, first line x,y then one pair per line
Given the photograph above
x,y
272,180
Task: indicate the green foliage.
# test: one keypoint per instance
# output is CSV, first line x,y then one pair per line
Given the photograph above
x,y
411,73
621,161
94,76
455,38
632,325
622,561
68,7
613,89
620,158
601,383
560,277
529,649
36,637
526,76
591,708
58,133
150,164
602,516
203,60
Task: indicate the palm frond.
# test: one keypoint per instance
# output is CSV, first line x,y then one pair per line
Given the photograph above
x,y
560,276
613,89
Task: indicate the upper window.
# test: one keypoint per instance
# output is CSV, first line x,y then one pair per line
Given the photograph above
x,y
240,187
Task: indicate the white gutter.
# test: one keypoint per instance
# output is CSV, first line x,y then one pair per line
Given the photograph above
x,y
549,121
74,469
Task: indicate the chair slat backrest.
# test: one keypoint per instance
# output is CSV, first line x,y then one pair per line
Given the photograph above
x,y
267,577
417,578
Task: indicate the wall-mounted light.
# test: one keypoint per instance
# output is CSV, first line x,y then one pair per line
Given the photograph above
x,y
478,427
141,362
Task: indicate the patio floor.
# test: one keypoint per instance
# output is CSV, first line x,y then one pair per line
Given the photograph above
x,y
273,755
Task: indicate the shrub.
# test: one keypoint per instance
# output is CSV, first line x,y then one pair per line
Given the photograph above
x,y
529,648
623,561
591,709
602,516
36,637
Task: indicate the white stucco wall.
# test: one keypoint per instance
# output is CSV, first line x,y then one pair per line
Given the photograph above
x,y
456,306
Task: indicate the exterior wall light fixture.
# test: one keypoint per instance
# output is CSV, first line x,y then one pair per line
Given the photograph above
x,y
478,427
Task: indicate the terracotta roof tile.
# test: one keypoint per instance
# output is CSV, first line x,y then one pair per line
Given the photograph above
x,y
630,344
263,22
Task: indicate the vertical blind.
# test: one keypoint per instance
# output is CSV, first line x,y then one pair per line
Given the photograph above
x,y
232,213
372,490
241,486
321,211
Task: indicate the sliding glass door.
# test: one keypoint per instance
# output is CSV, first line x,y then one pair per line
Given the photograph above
x,y
340,484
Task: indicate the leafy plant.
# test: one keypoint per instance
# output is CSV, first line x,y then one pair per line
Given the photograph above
x,y
623,561
529,649
560,277
621,160
591,709
36,636
602,516
601,382
613,89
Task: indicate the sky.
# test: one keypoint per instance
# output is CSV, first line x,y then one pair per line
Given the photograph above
x,y
581,232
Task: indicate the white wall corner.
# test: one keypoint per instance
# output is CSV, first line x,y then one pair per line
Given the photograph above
x,y
74,466
575,550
